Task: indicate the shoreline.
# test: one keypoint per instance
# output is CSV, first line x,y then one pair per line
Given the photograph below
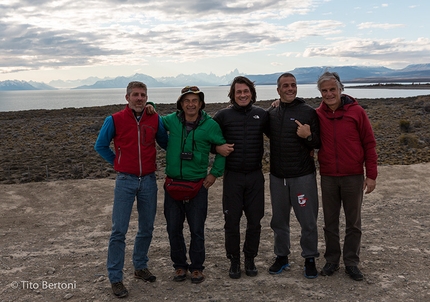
x,y
392,86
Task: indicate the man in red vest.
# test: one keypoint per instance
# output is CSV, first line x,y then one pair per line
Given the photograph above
x,y
134,134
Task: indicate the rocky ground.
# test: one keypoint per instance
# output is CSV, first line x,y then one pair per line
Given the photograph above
x,y
40,145
55,219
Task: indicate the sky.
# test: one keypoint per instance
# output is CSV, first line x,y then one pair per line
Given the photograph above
x,y
76,39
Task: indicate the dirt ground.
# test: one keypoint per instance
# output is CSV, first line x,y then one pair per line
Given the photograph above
x,y
54,236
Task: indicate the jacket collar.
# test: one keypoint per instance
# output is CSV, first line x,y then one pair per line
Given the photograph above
x,y
296,101
240,108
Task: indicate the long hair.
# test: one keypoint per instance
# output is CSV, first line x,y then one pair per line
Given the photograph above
x,y
247,82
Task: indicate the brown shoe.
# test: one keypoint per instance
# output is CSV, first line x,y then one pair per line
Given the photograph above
x,y
197,277
180,275
145,274
119,290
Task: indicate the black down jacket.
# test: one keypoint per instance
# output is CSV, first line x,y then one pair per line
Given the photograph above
x,y
243,126
290,155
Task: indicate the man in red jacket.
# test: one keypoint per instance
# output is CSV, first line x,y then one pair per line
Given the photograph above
x,y
347,145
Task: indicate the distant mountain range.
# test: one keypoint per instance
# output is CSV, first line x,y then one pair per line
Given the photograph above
x,y
23,85
304,75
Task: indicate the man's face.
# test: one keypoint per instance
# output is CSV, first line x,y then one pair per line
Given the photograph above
x,y
330,93
242,94
137,99
287,89
191,104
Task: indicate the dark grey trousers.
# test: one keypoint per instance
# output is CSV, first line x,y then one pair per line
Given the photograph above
x,y
346,191
300,194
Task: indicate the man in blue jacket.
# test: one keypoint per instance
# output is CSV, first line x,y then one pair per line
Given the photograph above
x,y
134,134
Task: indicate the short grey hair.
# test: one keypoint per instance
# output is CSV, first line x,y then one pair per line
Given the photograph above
x,y
327,76
135,84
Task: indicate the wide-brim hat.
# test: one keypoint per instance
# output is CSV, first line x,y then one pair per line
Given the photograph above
x,y
191,89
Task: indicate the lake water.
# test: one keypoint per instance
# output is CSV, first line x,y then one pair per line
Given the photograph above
x,y
58,99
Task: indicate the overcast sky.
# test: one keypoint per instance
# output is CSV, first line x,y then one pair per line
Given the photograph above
x,y
75,39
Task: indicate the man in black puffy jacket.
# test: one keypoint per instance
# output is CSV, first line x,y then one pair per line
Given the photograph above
x,y
243,125
294,134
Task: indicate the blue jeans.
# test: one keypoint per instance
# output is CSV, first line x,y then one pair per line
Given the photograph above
x,y
127,189
195,210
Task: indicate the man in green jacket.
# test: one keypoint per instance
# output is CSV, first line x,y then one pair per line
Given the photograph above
x,y
191,134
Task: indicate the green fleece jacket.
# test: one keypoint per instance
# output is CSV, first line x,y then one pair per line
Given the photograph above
x,y
198,142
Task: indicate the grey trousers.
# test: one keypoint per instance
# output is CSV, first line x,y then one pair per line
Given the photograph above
x,y
346,191
300,194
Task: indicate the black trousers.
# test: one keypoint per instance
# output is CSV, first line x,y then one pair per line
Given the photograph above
x,y
243,193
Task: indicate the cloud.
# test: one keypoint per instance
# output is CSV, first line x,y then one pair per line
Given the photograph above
x,y
277,64
51,34
45,34
373,25
383,51
63,33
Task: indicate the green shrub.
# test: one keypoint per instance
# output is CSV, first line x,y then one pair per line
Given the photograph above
x,y
410,140
405,126
376,125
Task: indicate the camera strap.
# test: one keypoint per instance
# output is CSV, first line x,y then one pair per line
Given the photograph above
x,y
185,135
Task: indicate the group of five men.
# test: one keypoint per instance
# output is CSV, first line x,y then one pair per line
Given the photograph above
x,y
339,129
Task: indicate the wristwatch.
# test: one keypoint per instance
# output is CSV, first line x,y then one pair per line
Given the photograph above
x,y
309,138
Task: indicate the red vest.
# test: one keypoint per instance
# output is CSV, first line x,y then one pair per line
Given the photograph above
x,y
134,142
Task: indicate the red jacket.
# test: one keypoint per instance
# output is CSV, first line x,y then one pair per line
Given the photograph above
x,y
347,140
135,142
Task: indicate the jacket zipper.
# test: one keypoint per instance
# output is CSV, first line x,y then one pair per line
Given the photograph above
x,y
335,144
138,147
119,155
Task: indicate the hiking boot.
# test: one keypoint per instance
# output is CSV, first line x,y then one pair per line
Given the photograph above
x,y
250,268
354,273
180,275
280,264
329,269
234,271
145,274
310,268
197,276
119,290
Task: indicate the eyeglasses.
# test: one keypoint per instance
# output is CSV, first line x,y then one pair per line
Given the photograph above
x,y
190,89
